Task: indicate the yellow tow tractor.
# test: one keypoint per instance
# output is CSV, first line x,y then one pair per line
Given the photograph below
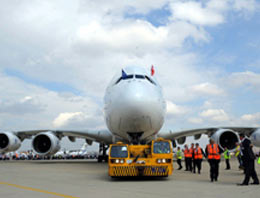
x,y
155,159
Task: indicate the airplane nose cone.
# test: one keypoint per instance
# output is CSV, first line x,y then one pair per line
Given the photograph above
x,y
138,99
140,108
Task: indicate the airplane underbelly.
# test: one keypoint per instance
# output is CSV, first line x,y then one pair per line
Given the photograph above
x,y
138,124
144,124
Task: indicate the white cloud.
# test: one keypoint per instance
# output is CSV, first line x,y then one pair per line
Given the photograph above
x,y
125,36
207,104
246,6
218,5
27,98
64,118
248,79
173,109
25,105
251,117
195,120
252,120
212,12
207,89
135,38
195,13
218,115
76,120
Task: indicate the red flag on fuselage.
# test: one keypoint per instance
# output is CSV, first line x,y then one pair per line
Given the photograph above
x,y
152,70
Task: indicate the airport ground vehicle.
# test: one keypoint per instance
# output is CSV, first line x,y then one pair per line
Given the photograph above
x,y
154,159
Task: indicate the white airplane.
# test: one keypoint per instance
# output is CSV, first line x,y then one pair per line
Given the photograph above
x,y
134,113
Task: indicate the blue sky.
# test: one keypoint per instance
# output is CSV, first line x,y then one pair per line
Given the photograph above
x,y
50,85
60,56
235,39
157,17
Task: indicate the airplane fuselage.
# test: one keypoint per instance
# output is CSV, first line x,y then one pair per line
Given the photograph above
x,y
134,105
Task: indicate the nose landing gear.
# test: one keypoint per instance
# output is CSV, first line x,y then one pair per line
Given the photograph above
x,y
135,137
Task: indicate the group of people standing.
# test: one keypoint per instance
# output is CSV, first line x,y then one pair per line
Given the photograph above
x,y
193,157
244,153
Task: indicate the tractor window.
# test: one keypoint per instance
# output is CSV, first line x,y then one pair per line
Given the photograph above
x,y
161,147
119,151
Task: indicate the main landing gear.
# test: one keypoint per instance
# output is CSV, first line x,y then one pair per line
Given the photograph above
x,y
102,153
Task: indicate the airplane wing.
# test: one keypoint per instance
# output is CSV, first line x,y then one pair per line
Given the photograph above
x,y
102,136
207,131
193,132
47,142
224,136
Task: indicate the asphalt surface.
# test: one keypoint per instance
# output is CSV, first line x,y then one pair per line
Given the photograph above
x,y
87,178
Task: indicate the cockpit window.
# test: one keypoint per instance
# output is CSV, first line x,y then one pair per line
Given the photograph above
x,y
125,78
139,76
128,77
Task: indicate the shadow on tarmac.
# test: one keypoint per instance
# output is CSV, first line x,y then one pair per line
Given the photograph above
x,y
137,179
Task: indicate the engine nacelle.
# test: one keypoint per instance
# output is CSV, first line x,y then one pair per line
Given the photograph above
x,y
46,143
255,138
9,142
181,140
72,139
89,142
225,138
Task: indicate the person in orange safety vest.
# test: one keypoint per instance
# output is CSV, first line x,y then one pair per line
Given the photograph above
x,y
192,159
213,155
188,158
198,157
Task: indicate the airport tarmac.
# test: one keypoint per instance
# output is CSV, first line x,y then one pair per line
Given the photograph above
x,y
87,178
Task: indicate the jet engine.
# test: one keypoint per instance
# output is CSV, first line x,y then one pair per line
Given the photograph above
x,y
255,138
9,142
225,138
181,140
46,143
89,142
